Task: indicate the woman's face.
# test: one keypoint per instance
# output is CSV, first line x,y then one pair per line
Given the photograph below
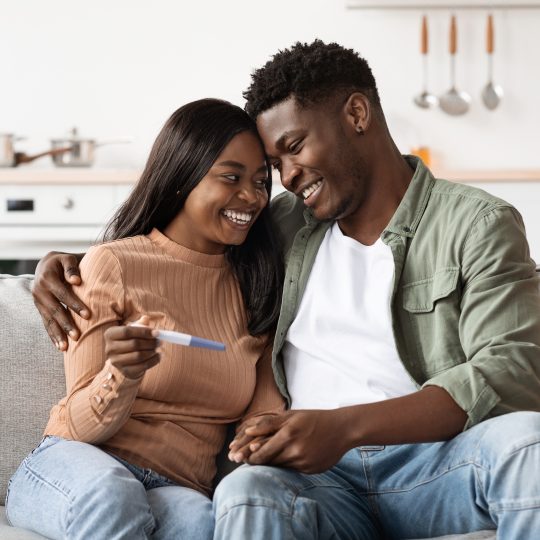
x,y
224,205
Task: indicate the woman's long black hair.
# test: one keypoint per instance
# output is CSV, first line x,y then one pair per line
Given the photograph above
x,y
183,153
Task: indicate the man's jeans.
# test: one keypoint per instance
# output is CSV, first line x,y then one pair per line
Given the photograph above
x,y
72,490
484,478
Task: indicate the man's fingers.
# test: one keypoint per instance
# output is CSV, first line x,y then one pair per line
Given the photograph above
x,y
243,452
70,265
267,425
56,334
269,450
54,314
66,296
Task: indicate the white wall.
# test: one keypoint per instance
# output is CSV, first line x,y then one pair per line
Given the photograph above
x,y
120,67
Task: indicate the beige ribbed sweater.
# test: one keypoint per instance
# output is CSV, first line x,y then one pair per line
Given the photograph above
x,y
173,420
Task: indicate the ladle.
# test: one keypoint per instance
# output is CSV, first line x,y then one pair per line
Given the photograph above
x,y
425,99
454,102
492,93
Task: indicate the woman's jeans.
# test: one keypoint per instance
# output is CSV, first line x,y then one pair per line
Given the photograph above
x,y
73,490
487,477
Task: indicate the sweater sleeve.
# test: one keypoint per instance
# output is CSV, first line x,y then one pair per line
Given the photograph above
x,y
266,398
99,397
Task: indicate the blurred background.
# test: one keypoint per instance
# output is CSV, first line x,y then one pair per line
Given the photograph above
x,y
118,68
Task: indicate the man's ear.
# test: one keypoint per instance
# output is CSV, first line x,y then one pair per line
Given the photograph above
x,y
357,110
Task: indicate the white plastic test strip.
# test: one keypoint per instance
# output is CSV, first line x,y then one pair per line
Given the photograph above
x,y
187,340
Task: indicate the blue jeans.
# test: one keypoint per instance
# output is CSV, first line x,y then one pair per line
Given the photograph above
x,y
72,490
484,478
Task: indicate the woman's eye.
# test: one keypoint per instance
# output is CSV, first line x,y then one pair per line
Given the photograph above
x,y
232,177
276,166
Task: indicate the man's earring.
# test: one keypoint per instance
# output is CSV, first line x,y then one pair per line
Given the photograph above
x,y
359,130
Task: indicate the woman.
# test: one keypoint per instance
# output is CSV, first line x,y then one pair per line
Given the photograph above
x,y
130,451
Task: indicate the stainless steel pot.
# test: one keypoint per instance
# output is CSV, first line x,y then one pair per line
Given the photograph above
x,y
10,158
80,151
7,150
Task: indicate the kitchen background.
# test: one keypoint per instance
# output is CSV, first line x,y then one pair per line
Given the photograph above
x,y
119,68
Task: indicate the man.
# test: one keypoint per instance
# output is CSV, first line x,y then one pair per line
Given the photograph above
x,y
410,328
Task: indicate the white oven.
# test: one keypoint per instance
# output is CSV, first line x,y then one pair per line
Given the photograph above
x,y
55,211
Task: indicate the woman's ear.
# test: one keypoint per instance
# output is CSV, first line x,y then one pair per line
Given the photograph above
x,y
357,110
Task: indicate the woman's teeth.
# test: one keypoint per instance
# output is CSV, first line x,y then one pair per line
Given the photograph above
x,y
241,218
311,189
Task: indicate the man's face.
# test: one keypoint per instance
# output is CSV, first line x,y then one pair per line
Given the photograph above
x,y
316,152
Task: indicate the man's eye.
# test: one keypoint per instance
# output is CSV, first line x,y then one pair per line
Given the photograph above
x,y
294,148
262,183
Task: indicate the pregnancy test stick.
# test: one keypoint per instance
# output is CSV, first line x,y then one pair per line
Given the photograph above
x,y
188,341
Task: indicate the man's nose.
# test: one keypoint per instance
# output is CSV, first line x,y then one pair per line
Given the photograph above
x,y
289,175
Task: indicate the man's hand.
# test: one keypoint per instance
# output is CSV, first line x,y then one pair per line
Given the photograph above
x,y
308,441
54,276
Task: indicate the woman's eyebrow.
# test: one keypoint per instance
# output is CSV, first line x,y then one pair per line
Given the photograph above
x,y
230,163
238,165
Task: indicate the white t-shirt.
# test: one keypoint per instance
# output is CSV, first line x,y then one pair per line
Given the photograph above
x,y
340,348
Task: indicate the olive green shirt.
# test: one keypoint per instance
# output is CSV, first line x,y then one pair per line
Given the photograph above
x,y
465,302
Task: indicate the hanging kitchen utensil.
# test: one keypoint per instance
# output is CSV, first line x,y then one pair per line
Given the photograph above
x,y
492,93
425,99
80,150
10,158
454,102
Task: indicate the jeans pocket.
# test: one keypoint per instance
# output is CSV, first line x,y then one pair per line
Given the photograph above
x,y
46,441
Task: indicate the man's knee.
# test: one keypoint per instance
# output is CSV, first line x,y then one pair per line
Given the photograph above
x,y
249,484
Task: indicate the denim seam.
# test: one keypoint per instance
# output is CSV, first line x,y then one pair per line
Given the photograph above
x,y
36,475
371,496
427,481
299,493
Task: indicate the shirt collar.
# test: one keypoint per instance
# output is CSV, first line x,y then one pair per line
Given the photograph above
x,y
411,208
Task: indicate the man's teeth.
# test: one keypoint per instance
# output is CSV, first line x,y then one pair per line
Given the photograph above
x,y
309,190
242,218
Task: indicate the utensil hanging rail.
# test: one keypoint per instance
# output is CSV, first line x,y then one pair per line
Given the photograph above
x,y
360,4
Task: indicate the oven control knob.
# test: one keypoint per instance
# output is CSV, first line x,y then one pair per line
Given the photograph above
x,y
68,203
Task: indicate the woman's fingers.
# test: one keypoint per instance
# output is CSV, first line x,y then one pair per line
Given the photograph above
x,y
139,368
132,349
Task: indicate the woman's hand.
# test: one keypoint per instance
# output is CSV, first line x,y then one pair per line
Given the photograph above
x,y
54,276
132,349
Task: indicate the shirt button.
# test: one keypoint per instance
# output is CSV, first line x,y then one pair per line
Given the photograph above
x,y
98,399
109,376
107,387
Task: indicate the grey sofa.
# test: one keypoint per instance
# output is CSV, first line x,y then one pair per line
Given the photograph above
x,y
32,380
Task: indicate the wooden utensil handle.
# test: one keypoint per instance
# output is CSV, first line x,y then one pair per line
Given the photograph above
x,y
424,46
490,42
453,35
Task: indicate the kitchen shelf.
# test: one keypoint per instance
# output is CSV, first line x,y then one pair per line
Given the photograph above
x,y
457,5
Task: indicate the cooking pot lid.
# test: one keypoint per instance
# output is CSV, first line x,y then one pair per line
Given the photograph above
x,y
73,137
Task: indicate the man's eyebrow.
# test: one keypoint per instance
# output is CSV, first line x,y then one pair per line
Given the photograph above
x,y
280,143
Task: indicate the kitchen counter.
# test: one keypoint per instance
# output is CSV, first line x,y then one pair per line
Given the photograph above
x,y
74,175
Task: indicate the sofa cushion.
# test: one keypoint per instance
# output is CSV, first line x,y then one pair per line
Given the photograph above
x,y
32,378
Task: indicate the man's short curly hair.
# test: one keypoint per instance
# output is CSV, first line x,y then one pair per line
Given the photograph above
x,y
311,72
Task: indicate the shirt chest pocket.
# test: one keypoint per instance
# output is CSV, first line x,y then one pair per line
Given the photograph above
x,y
431,312
421,296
